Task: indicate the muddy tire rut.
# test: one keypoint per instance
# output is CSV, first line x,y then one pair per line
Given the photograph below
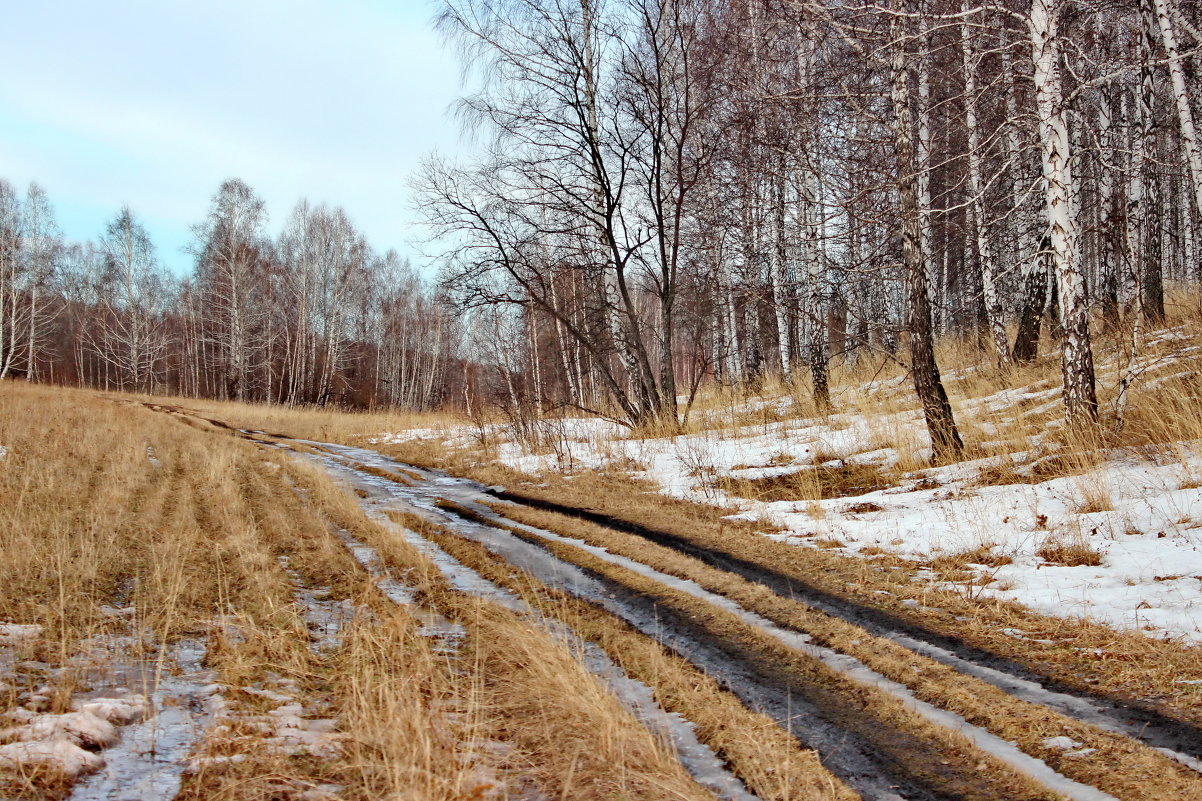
x,y
1131,717
872,757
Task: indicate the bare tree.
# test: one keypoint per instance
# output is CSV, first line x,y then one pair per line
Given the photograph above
x,y
937,409
1080,393
229,256
128,333
14,312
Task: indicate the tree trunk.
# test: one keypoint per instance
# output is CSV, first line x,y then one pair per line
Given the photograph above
x,y
818,351
1183,101
937,409
1035,298
1151,286
1106,287
1076,353
976,186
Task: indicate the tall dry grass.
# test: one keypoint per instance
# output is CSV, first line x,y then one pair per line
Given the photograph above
x,y
205,535
1000,411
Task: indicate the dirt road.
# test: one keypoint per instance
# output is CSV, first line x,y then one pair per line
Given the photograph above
x,y
893,709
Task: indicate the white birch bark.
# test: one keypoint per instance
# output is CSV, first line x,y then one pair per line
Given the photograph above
x,y
1181,97
1080,394
1106,283
782,283
993,306
936,278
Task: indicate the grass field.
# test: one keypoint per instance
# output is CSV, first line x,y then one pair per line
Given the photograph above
x,y
271,618
127,533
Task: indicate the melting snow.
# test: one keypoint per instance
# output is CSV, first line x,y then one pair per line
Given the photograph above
x,y
17,633
1146,521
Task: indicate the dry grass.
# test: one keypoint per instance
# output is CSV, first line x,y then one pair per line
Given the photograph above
x,y
87,518
999,412
757,750
843,480
565,730
1093,496
882,720
192,546
1077,653
1068,549
193,541
981,555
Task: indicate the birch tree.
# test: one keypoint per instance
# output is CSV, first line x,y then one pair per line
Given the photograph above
x,y
14,312
1076,350
1166,21
128,334
229,260
937,409
976,189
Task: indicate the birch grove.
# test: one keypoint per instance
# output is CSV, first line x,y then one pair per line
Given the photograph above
x,y
1011,165
313,316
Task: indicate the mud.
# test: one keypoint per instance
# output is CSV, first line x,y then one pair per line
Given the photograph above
x,y
1131,717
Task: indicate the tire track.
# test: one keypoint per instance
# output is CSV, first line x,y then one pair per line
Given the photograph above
x,y
1176,739
699,760
1015,680
848,747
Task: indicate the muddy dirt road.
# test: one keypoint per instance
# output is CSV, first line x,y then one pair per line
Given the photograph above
x,y
892,709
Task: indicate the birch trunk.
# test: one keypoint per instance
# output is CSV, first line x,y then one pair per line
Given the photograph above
x,y
818,350
936,278
1181,97
993,306
1076,354
782,285
1152,284
941,425
1108,223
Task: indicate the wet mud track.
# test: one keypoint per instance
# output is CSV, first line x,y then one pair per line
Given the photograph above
x,y
376,494
1129,717
878,761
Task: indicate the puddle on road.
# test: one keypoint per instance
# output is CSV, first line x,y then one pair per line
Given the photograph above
x,y
148,762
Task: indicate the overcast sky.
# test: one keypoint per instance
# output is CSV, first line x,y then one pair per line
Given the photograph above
x,y
155,102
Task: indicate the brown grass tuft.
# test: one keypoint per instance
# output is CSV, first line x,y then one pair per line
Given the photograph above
x,y
1068,550
847,479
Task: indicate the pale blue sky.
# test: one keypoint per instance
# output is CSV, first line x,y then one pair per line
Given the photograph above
x,y
155,102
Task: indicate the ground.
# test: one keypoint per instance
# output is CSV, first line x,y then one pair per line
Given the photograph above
x,y
770,603
1018,517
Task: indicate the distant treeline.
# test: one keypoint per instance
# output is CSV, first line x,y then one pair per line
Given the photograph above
x,y
314,316
669,193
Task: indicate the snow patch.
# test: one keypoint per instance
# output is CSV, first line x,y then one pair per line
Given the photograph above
x,y
60,754
17,633
1139,514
